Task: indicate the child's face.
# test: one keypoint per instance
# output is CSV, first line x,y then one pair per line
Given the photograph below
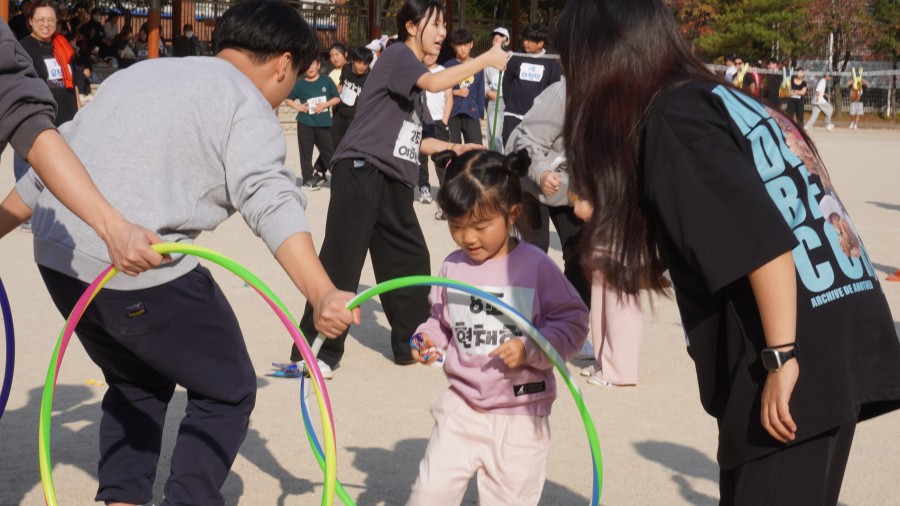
x,y
463,51
337,58
498,38
313,71
533,47
360,67
484,239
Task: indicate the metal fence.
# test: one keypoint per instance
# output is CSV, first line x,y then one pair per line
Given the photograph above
x,y
879,98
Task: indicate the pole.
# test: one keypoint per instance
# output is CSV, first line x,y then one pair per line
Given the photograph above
x,y
153,35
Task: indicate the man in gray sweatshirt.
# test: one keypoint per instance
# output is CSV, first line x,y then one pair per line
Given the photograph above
x,y
27,110
180,144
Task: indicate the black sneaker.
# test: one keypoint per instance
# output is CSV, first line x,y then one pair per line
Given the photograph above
x,y
310,185
319,179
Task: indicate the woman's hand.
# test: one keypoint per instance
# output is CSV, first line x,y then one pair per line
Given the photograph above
x,y
550,183
775,412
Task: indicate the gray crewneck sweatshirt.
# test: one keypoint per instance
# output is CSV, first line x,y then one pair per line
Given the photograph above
x,y
177,145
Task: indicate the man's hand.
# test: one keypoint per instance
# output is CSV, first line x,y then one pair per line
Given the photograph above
x,y
512,353
129,247
332,317
775,413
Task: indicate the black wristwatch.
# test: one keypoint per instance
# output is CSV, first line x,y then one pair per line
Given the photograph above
x,y
773,359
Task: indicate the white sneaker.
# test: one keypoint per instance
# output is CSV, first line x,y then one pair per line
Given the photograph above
x,y
327,373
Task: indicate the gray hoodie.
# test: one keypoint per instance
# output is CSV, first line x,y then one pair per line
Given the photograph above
x,y
26,106
176,145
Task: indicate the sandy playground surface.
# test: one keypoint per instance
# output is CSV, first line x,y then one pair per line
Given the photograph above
x,y
658,444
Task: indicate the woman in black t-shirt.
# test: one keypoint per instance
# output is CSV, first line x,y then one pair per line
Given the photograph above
x,y
796,101
730,196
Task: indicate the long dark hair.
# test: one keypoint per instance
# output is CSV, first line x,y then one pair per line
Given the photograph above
x,y
618,57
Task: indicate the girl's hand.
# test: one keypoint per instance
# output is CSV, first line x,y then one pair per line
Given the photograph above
x,y
550,183
775,412
497,57
427,343
303,107
319,108
512,353
462,148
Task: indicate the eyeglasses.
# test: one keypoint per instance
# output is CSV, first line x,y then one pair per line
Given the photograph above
x,y
40,21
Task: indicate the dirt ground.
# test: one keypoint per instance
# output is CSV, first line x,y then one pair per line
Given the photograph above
x,y
658,445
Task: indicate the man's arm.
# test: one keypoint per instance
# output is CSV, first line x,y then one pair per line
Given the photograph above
x,y
297,256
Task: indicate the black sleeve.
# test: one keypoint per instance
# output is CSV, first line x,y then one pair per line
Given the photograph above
x,y
26,106
701,181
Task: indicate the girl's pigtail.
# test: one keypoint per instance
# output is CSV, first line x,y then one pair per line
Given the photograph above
x,y
443,159
518,162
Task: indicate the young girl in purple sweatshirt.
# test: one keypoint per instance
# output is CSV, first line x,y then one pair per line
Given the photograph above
x,y
493,419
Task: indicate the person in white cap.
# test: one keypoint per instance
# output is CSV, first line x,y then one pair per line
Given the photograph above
x,y
376,47
495,106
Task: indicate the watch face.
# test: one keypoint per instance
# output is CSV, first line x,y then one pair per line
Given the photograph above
x,y
771,359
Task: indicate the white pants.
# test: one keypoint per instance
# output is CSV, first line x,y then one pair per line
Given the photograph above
x,y
821,106
508,453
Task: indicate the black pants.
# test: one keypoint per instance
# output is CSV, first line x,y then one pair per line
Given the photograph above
x,y
534,226
339,126
509,124
808,473
147,341
320,137
370,212
794,110
464,127
442,134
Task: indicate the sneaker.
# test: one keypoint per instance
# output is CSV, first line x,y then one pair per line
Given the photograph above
x,y
327,372
598,380
310,186
425,195
589,371
829,127
439,215
319,179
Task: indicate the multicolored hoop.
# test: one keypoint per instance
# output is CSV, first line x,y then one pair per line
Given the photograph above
x,y
523,323
328,462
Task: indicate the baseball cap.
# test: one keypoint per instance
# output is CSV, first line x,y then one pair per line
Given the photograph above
x,y
375,45
502,31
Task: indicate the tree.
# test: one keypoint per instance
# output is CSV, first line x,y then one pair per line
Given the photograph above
x,y
754,29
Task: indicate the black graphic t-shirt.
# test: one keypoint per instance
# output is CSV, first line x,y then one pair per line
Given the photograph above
x,y
734,186
351,87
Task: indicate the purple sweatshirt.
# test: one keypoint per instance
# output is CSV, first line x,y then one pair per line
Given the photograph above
x,y
528,280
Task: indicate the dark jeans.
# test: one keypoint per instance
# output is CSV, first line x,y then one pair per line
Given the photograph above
x,y
464,127
370,212
810,472
534,226
147,341
794,110
442,134
320,137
